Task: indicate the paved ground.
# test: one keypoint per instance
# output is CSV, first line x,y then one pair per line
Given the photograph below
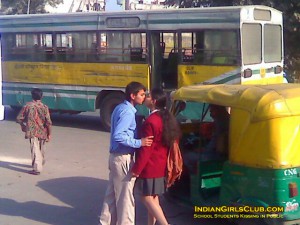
x,y
71,188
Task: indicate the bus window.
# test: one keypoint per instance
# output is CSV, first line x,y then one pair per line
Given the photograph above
x,y
170,40
8,44
272,37
46,41
210,47
251,43
26,47
103,46
220,47
114,47
123,47
138,47
187,44
62,42
81,46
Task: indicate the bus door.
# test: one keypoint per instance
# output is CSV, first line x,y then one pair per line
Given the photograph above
x,y
155,60
171,60
164,60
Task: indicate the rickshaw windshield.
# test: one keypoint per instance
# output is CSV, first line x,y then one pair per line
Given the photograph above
x,y
189,111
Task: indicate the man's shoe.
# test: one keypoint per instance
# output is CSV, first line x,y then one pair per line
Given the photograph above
x,y
33,172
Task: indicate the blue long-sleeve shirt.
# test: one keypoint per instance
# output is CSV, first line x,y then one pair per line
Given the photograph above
x,y
123,129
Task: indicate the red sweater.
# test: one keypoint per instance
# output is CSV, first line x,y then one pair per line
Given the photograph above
x,y
151,161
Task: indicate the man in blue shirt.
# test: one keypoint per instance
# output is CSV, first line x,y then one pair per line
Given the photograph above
x,y
118,205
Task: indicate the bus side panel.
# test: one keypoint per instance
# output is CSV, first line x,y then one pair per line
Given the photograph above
x,y
67,86
195,74
90,74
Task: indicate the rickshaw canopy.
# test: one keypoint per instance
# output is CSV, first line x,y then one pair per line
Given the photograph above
x,y
264,121
262,101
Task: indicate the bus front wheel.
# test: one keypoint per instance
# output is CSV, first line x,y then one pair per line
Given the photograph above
x,y
108,105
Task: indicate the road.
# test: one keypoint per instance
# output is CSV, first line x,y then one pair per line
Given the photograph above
x,y
71,188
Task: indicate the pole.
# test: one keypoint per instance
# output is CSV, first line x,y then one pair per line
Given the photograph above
x,y
28,6
1,106
126,5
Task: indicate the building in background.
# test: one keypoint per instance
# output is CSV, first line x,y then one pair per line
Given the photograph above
x,y
101,5
78,6
146,4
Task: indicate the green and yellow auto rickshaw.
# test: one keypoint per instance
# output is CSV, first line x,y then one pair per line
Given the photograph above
x,y
262,164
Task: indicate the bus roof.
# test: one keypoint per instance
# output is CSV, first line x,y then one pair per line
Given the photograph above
x,y
261,101
209,17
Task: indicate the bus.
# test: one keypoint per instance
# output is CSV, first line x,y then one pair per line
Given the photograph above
x,y
83,61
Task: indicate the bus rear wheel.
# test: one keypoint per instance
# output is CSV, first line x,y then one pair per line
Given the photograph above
x,y
108,105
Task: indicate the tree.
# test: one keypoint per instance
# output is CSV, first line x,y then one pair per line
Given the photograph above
x,y
291,21
20,6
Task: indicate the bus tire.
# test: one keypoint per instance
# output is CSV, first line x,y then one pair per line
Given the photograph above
x,y
108,105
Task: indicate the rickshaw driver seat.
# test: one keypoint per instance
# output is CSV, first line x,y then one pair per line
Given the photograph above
x,y
216,147
214,140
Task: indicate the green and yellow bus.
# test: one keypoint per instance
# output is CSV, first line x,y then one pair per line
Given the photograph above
x,y
83,61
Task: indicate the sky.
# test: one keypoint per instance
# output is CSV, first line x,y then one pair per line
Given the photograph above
x,y
111,5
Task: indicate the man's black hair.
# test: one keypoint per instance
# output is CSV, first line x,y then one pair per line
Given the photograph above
x,y
36,94
133,88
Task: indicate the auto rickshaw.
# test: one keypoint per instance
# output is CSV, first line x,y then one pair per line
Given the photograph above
x,y
262,166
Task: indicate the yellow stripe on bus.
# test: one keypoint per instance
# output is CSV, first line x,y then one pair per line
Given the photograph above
x,y
193,74
90,74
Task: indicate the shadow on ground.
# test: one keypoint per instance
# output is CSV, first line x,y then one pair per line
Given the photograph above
x,y
81,199
16,166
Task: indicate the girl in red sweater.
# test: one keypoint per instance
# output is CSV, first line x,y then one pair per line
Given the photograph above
x,y
151,161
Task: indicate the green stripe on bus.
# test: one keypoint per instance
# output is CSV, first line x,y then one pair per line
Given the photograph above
x,y
50,90
193,21
57,103
226,79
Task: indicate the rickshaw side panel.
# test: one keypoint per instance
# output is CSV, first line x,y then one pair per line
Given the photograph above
x,y
206,182
245,186
272,143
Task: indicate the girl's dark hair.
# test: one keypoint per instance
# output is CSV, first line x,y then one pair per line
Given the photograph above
x,y
171,130
133,88
36,94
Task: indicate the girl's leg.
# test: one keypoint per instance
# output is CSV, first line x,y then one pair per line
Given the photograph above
x,y
151,219
154,209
